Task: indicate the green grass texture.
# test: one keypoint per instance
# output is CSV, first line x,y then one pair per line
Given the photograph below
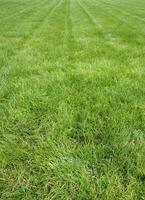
x,y
72,99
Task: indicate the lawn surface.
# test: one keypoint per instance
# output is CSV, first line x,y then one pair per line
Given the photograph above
x,y
72,99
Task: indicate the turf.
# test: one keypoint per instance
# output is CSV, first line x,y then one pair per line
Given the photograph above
x,y
72,99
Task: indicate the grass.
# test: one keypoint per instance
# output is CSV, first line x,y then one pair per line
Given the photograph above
x,y
72,99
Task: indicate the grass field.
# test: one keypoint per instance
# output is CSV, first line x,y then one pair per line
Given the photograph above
x,y
72,99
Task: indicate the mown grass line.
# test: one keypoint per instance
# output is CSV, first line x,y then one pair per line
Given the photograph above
x,y
126,36
29,12
136,7
19,32
88,15
25,40
30,8
130,26
70,39
11,5
123,11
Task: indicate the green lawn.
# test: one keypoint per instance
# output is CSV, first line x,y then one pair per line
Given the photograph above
x,y
72,99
